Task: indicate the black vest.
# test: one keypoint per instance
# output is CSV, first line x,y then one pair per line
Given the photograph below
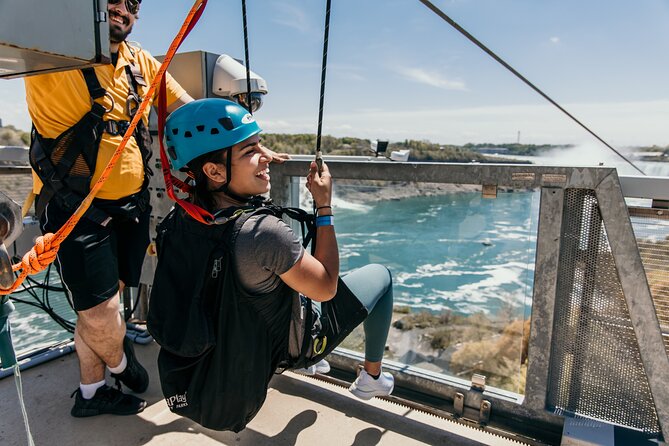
x,y
219,345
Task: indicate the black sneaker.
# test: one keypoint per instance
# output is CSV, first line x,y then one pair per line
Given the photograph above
x,y
106,400
135,377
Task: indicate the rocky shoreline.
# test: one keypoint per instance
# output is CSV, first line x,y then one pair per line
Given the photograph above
x,y
456,345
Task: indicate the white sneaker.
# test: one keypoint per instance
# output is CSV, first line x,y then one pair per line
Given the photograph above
x,y
321,366
365,387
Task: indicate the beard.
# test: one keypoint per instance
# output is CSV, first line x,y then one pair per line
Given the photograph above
x,y
117,35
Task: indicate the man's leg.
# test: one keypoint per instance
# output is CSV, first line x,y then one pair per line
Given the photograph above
x,y
87,264
99,340
131,240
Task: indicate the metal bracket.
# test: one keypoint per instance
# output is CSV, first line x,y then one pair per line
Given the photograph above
x,y
10,228
478,382
484,412
459,404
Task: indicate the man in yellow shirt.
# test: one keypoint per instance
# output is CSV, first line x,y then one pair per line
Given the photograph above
x,y
88,110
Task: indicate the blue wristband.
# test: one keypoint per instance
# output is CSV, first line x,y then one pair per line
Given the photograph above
x,y
325,220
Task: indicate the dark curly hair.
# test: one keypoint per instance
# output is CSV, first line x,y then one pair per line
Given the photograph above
x,y
202,195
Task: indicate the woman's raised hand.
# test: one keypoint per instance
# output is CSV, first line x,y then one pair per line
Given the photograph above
x,y
320,185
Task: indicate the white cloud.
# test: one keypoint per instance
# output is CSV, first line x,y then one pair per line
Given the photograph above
x,y
555,40
343,71
347,72
291,16
303,65
275,125
619,124
432,79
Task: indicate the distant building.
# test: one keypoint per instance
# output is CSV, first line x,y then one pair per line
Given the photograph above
x,y
492,150
14,156
400,155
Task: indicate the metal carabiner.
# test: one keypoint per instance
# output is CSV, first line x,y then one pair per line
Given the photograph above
x,y
223,219
132,105
111,100
320,344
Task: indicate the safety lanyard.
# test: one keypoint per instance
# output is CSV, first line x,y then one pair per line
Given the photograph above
x,y
195,211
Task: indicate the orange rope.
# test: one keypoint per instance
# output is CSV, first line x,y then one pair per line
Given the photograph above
x,y
46,247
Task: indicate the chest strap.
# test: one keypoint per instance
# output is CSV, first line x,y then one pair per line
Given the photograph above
x,y
92,83
116,128
142,135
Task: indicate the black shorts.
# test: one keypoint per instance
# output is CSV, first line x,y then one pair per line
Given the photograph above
x,y
93,258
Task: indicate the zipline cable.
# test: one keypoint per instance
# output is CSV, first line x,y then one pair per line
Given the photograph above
x,y
476,42
319,155
246,59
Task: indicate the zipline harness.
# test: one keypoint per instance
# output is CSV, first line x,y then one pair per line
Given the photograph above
x,y
46,247
66,164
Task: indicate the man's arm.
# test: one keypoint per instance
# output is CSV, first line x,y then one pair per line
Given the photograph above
x,y
183,99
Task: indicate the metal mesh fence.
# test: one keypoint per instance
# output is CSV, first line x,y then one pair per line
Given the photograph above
x,y
651,227
596,369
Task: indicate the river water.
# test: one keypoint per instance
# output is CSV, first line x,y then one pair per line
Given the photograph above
x,y
459,252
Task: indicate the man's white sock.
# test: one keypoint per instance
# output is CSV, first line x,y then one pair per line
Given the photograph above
x,y
88,390
119,368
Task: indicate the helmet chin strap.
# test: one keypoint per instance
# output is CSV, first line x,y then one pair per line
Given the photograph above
x,y
226,190
225,186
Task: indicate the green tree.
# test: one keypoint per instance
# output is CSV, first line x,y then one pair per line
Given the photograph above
x,y
11,136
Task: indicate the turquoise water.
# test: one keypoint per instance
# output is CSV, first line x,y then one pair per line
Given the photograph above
x,y
32,328
457,252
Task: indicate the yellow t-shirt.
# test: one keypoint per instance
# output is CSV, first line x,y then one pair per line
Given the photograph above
x,y
57,101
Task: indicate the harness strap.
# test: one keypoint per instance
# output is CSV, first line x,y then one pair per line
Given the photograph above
x,y
141,133
55,176
133,100
137,74
92,83
199,214
89,121
71,202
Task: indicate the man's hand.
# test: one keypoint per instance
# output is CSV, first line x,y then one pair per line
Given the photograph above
x,y
273,156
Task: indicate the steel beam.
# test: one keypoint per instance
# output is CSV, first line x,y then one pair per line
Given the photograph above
x,y
637,293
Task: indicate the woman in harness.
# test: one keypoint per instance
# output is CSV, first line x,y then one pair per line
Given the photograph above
x,y
218,142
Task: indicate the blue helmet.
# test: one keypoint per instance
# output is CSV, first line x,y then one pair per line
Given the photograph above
x,y
204,126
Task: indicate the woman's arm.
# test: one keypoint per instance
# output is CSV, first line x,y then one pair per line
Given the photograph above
x,y
316,276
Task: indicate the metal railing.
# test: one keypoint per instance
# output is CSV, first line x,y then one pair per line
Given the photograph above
x,y
596,345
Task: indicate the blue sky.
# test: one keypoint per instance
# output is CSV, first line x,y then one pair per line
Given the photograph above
x,y
397,71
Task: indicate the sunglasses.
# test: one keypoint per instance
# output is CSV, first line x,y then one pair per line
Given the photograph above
x,y
131,5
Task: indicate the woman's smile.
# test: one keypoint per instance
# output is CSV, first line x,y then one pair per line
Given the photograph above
x,y
263,174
